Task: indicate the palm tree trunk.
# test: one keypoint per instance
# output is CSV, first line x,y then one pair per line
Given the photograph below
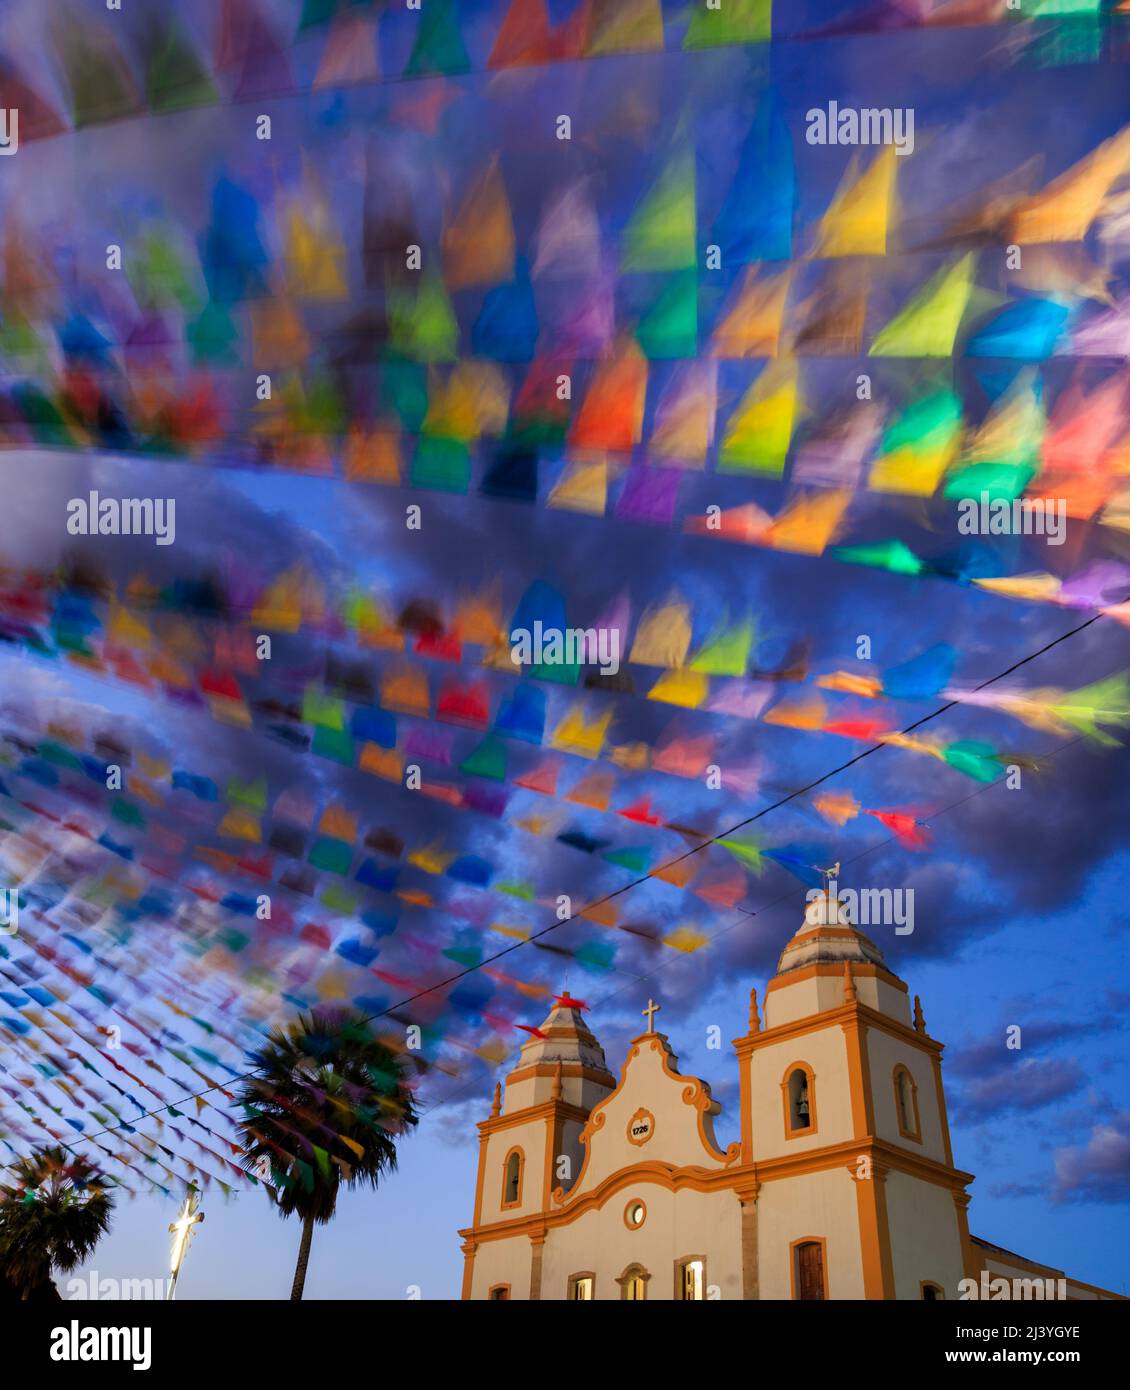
x,y
303,1259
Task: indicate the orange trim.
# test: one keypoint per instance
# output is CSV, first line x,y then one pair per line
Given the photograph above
x,y
637,1122
552,1138
480,1179
947,1148
695,1092
573,1069
813,1023
859,1073
745,1105
808,1240
531,1112
468,1247
635,1225
870,1194
860,969
900,1070
874,1233
633,1271
973,1265
740,1180
519,1153
798,1132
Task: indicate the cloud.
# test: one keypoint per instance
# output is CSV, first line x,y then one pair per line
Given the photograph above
x,y
1098,1171
1023,1086
991,1052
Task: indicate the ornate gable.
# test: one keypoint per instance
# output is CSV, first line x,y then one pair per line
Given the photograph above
x,y
654,1117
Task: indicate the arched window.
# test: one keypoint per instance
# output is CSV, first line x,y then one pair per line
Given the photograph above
x,y
799,1094
906,1104
810,1275
932,1291
581,1286
512,1178
633,1283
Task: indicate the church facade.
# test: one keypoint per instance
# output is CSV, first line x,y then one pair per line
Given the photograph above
x,y
842,1184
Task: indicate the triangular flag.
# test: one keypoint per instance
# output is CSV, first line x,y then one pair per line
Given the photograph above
x,y
928,325
858,220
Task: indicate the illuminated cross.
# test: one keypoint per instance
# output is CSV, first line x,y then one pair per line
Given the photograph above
x,y
651,1010
181,1231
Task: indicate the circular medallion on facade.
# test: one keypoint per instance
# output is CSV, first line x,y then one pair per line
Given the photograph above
x,y
641,1127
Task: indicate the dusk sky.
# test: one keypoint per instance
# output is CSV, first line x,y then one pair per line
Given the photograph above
x,y
1020,913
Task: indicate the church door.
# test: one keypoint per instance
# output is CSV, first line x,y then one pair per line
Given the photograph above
x,y
810,1270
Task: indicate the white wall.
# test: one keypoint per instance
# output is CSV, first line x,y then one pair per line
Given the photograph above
x,y
825,1051
677,1224
925,1238
811,1204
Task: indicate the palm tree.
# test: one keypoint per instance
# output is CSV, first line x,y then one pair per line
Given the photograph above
x,y
52,1217
327,1107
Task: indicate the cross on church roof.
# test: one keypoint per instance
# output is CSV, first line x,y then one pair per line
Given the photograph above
x,y
650,1012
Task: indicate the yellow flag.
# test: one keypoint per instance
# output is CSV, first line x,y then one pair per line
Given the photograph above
x,y
663,636
758,433
577,735
583,487
1037,587
687,689
685,938
858,220
241,824
314,252
928,325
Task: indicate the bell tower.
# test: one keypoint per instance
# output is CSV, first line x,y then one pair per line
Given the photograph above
x,y
530,1143
844,1118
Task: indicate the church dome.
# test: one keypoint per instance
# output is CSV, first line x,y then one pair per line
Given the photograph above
x,y
566,1037
827,936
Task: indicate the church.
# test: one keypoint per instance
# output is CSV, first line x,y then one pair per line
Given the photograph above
x,y
842,1185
